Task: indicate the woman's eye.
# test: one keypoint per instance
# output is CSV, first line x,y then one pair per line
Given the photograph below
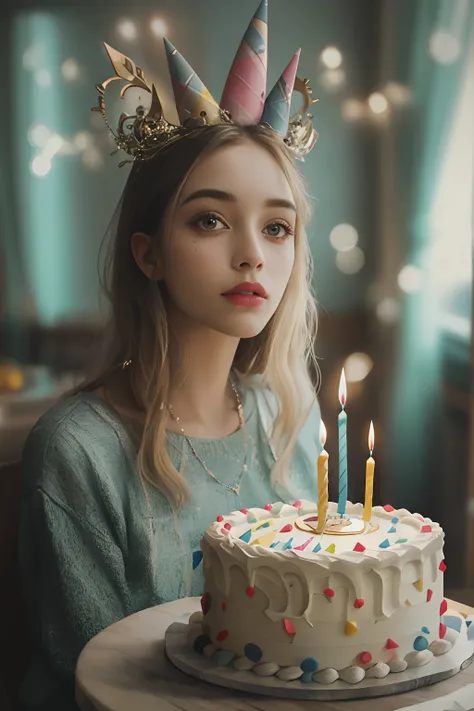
x,y
209,222
279,230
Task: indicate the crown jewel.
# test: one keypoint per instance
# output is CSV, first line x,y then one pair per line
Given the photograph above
x,y
243,100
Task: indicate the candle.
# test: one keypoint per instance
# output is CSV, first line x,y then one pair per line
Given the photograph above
x,y
369,476
323,494
342,425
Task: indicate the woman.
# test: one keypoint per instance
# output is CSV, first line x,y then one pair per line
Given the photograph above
x,y
204,405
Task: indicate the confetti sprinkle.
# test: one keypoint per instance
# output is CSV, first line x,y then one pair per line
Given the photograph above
x,y
442,630
220,518
275,544
303,545
228,526
453,622
359,548
401,540
197,558
391,644
289,629
442,566
443,607
426,529
297,504
351,628
395,519
287,545
246,536
205,603
425,630
392,529
418,585
286,528
359,602
317,548
265,540
388,508
407,603
250,591
384,544
420,644
268,507
263,525
244,511
365,657
331,548
222,635
251,518
329,592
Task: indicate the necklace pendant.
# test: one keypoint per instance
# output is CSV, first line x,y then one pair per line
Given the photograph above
x,y
236,489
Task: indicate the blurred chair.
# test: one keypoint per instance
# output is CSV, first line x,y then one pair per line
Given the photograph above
x,y
15,647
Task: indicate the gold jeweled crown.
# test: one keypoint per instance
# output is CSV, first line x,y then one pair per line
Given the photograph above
x,y
243,100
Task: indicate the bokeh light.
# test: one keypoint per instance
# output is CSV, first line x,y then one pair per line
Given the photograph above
x,y
127,30
158,27
333,79
388,310
350,262
444,47
38,135
70,70
353,110
378,103
357,366
40,166
331,57
409,279
344,237
43,78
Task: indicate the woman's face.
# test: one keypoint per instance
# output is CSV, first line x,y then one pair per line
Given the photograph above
x,y
234,223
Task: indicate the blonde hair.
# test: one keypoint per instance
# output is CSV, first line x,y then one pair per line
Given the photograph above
x,y
280,358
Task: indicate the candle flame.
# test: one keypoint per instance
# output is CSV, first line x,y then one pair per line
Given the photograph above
x,y
342,389
371,437
322,433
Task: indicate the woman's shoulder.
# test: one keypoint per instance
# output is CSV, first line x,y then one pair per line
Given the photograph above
x,y
79,432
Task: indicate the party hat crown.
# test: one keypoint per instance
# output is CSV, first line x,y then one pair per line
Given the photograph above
x,y
243,100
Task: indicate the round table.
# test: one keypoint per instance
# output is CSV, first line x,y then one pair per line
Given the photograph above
x,y
125,668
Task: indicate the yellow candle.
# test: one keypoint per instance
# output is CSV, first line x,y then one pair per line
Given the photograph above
x,y
369,476
323,494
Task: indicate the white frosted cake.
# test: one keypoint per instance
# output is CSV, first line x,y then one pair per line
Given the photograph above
x,y
360,599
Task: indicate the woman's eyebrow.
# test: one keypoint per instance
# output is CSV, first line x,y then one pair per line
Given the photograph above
x,y
228,197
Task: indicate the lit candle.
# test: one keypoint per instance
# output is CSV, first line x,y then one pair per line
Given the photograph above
x,y
323,494
369,476
342,425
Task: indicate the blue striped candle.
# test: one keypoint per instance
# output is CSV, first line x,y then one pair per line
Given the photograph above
x,y
342,428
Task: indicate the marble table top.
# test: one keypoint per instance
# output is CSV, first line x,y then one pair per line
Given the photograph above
x,y
125,668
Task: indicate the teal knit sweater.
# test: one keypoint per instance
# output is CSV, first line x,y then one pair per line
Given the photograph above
x,y
92,551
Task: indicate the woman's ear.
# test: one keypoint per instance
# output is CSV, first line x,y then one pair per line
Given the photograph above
x,y
145,251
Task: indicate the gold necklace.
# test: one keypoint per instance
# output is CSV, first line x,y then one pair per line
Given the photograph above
x,y
240,412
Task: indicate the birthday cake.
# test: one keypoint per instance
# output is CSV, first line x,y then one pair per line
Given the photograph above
x,y
361,599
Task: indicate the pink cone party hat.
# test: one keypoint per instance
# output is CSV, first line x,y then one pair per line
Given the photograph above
x,y
276,112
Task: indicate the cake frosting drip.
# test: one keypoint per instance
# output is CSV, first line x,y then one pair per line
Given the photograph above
x,y
360,599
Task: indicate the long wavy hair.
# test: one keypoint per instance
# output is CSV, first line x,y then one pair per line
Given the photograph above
x,y
281,357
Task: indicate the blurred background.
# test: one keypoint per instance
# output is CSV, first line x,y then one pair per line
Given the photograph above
x,y
392,177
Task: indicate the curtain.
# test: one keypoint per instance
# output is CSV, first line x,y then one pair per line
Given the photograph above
x,y
435,56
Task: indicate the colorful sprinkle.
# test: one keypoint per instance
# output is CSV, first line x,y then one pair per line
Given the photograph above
x,y
264,540
287,545
297,504
275,544
443,607
359,548
224,531
263,525
253,652
224,605
220,518
309,665
418,585
329,592
468,623
351,628
205,603
442,566
222,635
384,544
426,529
420,644
388,508
391,644
250,591
197,558
359,602
246,536
401,540
317,548
395,519
442,630
365,657
268,507
286,528
454,623
251,518
223,657
392,529
331,548
244,511
303,545
228,526
289,629
200,642
425,630
407,603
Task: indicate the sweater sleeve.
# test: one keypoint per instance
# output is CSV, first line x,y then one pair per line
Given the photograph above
x,y
71,562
